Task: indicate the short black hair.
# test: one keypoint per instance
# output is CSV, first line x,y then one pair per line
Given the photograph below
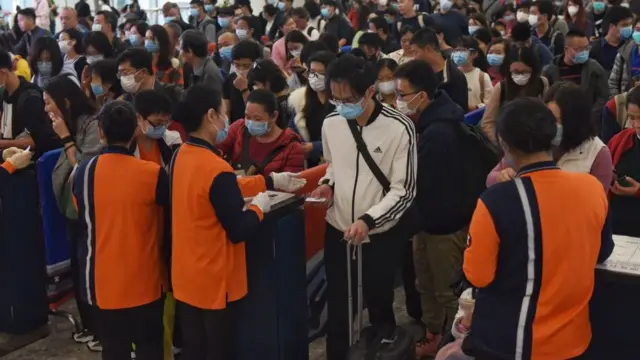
x,y
359,53
380,24
78,37
480,19
51,46
545,7
110,17
138,58
331,41
482,34
420,75
5,60
386,63
152,102
141,28
633,97
266,99
251,23
312,8
358,73
323,57
195,42
107,70
521,32
270,10
616,14
526,125
198,3
311,48
575,33
408,29
199,99
28,12
370,39
300,12
577,124
266,71
118,121
426,38
246,49
100,42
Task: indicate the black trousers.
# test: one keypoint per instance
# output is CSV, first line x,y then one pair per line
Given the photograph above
x,y
207,334
85,310
380,260
141,325
412,296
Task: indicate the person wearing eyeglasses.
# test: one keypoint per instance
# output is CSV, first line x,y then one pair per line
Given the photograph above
x,y
576,66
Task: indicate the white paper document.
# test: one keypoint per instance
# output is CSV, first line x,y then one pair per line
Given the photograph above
x,y
625,257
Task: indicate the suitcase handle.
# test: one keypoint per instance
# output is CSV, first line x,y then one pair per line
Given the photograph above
x,y
354,335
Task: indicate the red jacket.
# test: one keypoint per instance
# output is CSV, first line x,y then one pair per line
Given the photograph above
x,y
290,159
620,143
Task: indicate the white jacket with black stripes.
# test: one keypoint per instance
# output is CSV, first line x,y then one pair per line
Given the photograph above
x,y
391,140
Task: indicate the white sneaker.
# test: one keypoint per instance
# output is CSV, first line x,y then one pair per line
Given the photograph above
x,y
95,345
83,337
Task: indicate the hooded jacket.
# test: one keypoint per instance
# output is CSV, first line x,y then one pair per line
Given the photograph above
x,y
455,84
440,174
593,80
290,159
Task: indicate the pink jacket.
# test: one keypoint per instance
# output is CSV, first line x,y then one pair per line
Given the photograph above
x,y
279,54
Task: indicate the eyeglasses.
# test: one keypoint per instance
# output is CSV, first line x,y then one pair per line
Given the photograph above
x,y
122,73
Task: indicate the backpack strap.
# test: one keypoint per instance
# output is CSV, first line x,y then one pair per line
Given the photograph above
x,y
481,75
310,31
621,109
421,20
503,91
25,95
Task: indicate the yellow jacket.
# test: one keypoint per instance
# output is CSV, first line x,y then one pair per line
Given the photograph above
x,y
21,67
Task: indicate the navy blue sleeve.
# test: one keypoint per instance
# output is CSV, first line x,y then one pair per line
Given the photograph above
x,y
606,247
4,174
227,201
162,188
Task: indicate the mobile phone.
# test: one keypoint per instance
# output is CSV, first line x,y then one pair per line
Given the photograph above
x,y
622,181
28,148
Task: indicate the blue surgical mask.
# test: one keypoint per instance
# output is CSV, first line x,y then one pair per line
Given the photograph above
x,y
495,60
133,40
598,7
281,6
636,37
97,89
257,128
581,57
350,111
473,28
223,22
156,132
151,46
194,12
460,58
324,12
225,52
168,19
242,33
557,140
208,8
625,32
221,135
45,68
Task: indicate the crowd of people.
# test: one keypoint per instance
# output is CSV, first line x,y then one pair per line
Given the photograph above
x,y
165,130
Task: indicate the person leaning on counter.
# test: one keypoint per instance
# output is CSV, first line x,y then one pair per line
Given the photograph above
x,y
210,225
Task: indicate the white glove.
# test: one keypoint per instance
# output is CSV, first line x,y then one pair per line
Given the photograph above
x,y
262,201
7,153
287,181
21,159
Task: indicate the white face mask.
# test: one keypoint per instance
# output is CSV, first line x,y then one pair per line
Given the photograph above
x,y
533,20
387,87
521,79
91,59
317,82
624,5
296,53
522,17
64,46
573,10
129,83
403,106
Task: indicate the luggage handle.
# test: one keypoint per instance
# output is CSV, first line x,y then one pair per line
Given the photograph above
x,y
354,336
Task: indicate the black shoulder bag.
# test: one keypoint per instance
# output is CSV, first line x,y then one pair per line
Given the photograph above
x,y
248,165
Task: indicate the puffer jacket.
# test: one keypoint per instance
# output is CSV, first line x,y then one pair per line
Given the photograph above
x,y
290,158
620,77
